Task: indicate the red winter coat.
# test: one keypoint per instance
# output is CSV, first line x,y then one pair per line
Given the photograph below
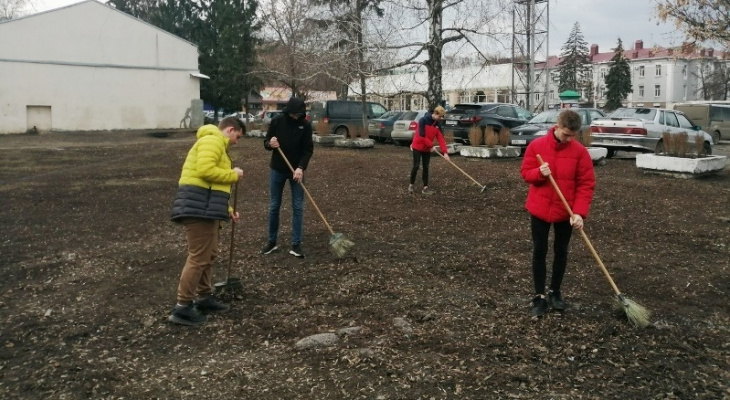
x,y
572,169
425,144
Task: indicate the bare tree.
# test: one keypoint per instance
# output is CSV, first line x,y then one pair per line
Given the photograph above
x,y
10,9
699,19
714,80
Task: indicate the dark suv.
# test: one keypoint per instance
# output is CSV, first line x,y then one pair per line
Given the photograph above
x,y
343,115
464,116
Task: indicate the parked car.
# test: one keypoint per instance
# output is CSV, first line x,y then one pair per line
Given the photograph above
x,y
343,115
244,117
464,116
642,129
713,118
406,126
266,116
540,123
380,128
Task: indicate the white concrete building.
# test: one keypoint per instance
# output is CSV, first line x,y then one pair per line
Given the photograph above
x,y
90,67
404,90
661,77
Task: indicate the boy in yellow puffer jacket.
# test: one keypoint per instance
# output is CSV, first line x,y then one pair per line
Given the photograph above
x,y
201,204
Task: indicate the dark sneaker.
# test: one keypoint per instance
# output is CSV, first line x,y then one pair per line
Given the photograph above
x,y
210,304
427,191
556,301
539,306
296,251
269,248
186,315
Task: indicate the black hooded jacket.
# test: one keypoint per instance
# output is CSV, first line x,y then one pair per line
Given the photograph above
x,y
294,136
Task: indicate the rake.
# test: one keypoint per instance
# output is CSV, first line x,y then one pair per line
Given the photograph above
x,y
230,284
339,245
636,313
483,187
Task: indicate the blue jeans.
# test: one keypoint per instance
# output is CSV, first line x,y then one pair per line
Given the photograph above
x,y
277,180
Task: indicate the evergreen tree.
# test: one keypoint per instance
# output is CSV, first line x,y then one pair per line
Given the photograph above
x,y
618,79
575,66
225,32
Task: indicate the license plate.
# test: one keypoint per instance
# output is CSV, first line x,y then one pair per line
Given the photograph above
x,y
519,141
450,122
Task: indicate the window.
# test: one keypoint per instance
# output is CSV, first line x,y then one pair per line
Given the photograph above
x,y
552,94
523,113
377,110
641,71
537,96
641,91
657,90
671,119
506,111
684,122
684,92
658,70
684,72
603,73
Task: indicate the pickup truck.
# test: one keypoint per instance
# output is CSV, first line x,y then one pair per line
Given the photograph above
x,y
641,129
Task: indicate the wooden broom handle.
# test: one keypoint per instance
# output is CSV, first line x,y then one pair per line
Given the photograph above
x,y
582,232
457,167
329,228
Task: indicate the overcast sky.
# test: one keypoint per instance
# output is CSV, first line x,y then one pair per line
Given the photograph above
x,y
602,22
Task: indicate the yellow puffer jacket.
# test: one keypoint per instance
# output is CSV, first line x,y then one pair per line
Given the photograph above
x,y
208,164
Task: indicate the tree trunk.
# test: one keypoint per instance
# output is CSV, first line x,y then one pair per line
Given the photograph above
x,y
435,47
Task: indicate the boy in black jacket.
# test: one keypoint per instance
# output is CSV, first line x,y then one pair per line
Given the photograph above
x,y
292,133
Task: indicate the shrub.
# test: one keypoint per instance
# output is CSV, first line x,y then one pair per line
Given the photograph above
x,y
475,136
322,128
585,137
449,137
504,136
490,138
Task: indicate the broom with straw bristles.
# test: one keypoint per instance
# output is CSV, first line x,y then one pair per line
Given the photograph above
x,y
339,244
636,313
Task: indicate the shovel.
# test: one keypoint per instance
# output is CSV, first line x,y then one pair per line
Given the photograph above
x,y
483,187
231,284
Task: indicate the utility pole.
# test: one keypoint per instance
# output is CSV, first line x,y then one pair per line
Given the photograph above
x,y
530,45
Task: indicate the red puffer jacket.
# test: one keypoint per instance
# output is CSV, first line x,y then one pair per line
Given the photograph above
x,y
425,144
571,167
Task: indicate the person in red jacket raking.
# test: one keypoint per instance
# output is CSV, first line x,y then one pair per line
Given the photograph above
x,y
422,146
571,166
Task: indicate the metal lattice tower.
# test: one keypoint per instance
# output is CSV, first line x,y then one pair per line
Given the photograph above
x,y
530,21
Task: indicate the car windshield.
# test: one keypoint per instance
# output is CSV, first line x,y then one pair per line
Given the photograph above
x,y
647,114
545,117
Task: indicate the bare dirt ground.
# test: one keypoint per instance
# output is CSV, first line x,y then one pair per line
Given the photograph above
x,y
439,286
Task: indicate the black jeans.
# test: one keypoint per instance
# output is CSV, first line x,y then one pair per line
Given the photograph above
x,y
418,156
540,233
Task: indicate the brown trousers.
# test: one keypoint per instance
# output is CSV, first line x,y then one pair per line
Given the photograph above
x,y
202,237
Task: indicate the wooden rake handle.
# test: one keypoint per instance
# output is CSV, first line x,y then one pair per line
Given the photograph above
x,y
582,232
329,228
457,167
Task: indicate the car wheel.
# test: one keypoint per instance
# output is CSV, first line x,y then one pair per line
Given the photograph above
x,y
342,130
659,148
611,153
715,137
